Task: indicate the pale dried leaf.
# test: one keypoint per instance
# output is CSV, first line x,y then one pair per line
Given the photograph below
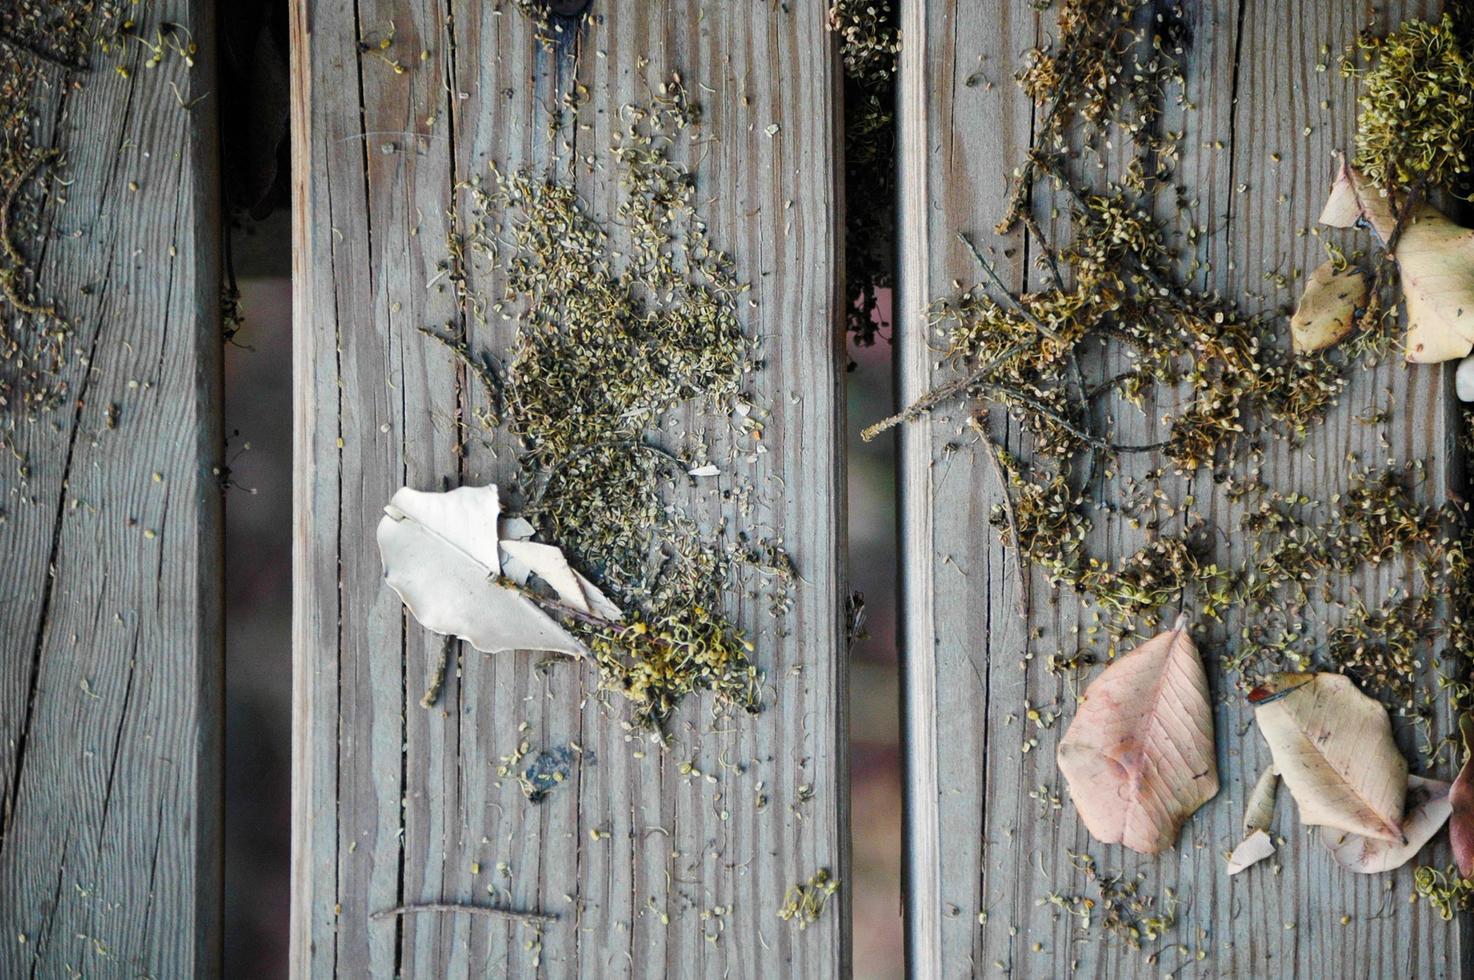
x,y
1333,748
443,554
1461,803
1259,811
1327,309
1435,262
1251,850
1427,809
1138,756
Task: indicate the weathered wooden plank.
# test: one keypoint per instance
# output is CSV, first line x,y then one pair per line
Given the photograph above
x,y
395,804
977,842
110,625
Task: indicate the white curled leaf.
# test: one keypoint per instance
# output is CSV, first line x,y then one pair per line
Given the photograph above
x,y
515,528
1435,263
1333,747
443,555
707,469
1138,755
1428,807
1251,850
1259,811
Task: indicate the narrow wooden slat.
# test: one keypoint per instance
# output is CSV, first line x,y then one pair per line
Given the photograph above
x,y
111,616
395,804
977,842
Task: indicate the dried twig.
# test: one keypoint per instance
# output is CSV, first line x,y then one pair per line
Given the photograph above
x,y
457,907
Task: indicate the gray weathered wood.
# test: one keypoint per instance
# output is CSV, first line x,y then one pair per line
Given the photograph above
x,y
976,841
110,621
394,804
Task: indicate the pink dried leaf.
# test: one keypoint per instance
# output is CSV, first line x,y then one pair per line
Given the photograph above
x,y
1461,802
1138,755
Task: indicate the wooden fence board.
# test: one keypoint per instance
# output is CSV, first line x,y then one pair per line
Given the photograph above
x,y
976,841
111,616
396,804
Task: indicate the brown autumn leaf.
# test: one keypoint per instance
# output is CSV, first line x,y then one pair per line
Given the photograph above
x,y
1435,261
1138,755
1333,748
1327,309
1461,801
1427,809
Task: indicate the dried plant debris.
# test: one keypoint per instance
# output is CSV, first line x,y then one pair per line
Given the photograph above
x,y
1445,889
1426,810
1333,747
1416,119
549,770
803,903
1138,756
616,329
1124,911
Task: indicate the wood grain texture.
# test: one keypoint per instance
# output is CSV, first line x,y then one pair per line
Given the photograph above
x,y
110,588
976,841
395,804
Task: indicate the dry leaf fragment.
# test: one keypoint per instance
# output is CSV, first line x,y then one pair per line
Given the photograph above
x,y
1138,756
444,554
1461,803
1259,811
1427,809
1327,309
1435,261
1333,748
1251,850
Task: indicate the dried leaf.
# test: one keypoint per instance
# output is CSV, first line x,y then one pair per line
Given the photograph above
x,y
1327,309
444,554
1333,747
1461,802
1259,811
1427,809
1435,260
1251,850
1138,756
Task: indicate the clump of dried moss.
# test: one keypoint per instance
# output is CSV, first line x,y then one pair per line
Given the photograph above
x,y
615,330
1416,119
869,44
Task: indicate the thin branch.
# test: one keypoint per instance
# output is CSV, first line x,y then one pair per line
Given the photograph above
x,y
937,395
987,267
437,679
456,907
1018,546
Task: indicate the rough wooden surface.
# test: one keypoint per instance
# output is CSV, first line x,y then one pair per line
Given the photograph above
x,y
395,804
110,621
977,842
